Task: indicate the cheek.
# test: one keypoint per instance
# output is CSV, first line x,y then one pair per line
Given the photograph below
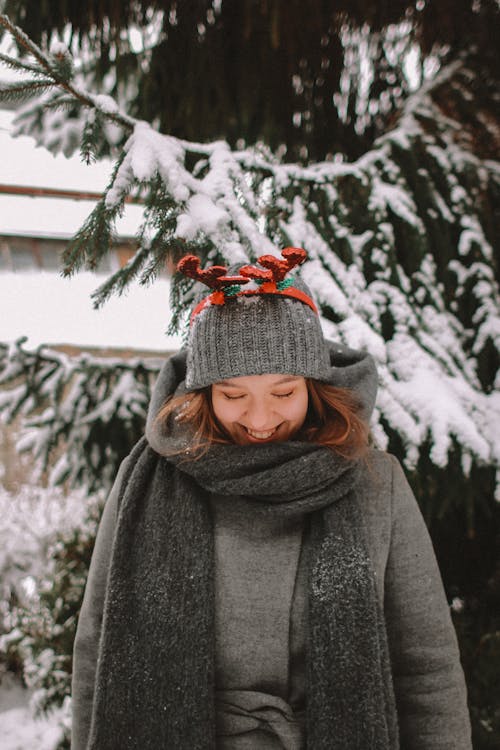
x,y
298,410
298,416
303,406
225,411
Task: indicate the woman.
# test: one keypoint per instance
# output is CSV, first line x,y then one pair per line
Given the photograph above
x,y
261,578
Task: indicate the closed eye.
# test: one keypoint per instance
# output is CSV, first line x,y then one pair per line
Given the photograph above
x,y
283,395
233,398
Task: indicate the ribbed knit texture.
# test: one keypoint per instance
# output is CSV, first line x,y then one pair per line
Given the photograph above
x,y
155,674
155,679
346,368
351,703
254,335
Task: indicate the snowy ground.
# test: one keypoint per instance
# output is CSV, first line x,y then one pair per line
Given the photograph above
x,y
19,730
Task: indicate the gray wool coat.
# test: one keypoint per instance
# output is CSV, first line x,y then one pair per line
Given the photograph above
x,y
428,679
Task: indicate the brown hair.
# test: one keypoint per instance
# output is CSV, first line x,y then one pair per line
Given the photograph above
x,y
333,419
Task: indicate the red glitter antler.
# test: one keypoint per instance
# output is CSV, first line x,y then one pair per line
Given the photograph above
x,y
270,279
214,277
293,256
276,269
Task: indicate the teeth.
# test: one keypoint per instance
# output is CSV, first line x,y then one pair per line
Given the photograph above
x,y
261,435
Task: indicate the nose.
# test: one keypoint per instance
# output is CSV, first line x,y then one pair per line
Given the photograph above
x,y
257,415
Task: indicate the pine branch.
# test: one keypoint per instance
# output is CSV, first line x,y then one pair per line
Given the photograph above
x,y
20,65
24,41
160,249
69,403
119,281
59,102
95,238
59,70
92,241
181,299
90,136
23,91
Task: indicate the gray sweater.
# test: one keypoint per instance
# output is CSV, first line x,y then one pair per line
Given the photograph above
x,y
257,604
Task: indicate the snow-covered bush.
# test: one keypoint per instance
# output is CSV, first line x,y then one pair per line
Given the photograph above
x,y
29,521
46,539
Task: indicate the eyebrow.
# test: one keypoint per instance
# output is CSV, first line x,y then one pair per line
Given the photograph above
x,y
281,381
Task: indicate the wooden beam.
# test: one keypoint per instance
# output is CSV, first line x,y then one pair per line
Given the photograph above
x,y
46,192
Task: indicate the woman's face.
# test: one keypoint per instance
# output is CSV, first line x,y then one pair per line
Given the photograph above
x,y
260,408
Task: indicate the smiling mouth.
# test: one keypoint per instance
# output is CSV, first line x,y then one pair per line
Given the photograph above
x,y
260,435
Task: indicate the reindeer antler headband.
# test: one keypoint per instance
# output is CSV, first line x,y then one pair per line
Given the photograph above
x,y
270,279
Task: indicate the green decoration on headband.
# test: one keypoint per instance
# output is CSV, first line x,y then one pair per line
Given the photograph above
x,y
231,291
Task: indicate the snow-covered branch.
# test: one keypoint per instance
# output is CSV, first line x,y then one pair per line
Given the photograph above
x,y
68,404
56,70
401,246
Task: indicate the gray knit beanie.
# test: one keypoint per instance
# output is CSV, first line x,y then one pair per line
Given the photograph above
x,y
247,329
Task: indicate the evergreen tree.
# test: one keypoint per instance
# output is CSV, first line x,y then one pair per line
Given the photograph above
x,y
401,243
318,77
404,262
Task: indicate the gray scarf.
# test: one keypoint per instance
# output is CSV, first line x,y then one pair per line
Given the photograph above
x,y
155,677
